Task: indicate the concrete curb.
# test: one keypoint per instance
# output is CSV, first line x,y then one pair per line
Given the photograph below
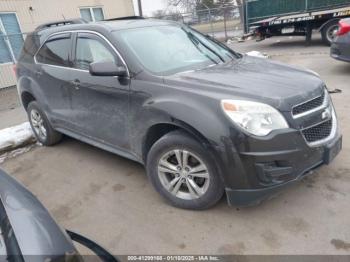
x,y
15,137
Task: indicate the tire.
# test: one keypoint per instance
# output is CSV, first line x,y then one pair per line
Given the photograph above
x,y
41,126
328,32
200,169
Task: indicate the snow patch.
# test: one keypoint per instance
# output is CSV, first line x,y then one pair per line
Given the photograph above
x,y
257,54
15,136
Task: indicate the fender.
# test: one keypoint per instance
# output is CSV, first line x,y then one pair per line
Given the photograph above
x,y
205,124
28,84
211,130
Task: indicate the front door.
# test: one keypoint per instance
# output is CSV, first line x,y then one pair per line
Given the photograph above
x,y
100,103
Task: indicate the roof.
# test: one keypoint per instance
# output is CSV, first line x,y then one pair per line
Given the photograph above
x,y
129,24
102,26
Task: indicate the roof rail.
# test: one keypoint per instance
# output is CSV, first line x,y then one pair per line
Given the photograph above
x,y
125,18
61,23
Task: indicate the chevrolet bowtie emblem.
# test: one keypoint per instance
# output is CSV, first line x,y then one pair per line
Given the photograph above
x,y
326,114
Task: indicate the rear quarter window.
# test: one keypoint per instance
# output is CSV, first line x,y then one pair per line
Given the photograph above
x,y
30,47
55,51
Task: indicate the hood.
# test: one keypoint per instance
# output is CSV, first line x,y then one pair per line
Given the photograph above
x,y
275,83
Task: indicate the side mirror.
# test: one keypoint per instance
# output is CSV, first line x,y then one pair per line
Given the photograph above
x,y
107,69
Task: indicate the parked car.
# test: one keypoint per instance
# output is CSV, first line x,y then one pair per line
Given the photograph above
x,y
201,117
340,49
29,233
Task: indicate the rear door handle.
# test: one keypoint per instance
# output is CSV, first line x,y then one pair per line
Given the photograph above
x,y
76,84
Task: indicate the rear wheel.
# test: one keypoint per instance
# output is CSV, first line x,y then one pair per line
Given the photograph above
x,y
41,126
183,172
329,32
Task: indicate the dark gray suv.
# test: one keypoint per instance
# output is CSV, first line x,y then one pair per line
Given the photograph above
x,y
202,118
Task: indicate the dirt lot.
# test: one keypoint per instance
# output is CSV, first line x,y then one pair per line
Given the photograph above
x,y
109,199
9,99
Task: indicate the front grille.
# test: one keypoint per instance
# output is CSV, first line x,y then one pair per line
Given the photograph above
x,y
319,132
310,105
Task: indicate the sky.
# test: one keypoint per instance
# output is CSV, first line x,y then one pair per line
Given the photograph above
x,y
149,6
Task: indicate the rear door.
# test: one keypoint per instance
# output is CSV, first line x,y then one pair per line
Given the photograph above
x,y
53,73
100,103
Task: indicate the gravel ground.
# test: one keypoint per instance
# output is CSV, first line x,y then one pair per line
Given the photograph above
x,y
9,99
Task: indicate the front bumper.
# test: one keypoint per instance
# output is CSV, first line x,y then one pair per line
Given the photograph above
x,y
340,49
252,197
338,55
270,172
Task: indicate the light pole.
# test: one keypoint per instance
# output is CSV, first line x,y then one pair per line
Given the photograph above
x,y
139,2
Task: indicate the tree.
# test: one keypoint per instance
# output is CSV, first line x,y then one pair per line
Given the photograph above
x,y
226,6
159,14
221,3
230,5
167,15
186,5
174,16
202,9
205,4
240,7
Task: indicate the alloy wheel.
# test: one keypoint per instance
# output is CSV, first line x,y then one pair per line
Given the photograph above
x,y
38,124
183,174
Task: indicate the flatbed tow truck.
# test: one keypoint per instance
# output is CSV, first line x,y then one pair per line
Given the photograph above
x,y
268,18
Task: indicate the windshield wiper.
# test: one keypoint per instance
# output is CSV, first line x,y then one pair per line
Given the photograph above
x,y
236,55
195,39
208,56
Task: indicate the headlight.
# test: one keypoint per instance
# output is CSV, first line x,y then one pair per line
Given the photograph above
x,y
256,118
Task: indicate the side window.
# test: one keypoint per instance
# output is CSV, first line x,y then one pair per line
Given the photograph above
x,y
55,51
91,49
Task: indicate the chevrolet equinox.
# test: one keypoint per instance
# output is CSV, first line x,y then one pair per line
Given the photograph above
x,y
202,118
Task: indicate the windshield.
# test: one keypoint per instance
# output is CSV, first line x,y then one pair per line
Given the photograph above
x,y
172,49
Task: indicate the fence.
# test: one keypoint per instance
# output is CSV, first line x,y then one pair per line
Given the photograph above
x,y
222,23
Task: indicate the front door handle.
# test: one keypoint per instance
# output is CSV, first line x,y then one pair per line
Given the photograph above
x,y
38,73
76,84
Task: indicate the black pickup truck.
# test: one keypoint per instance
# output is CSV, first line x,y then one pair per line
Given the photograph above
x,y
267,18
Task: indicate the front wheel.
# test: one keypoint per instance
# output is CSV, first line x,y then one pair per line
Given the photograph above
x,y
183,172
